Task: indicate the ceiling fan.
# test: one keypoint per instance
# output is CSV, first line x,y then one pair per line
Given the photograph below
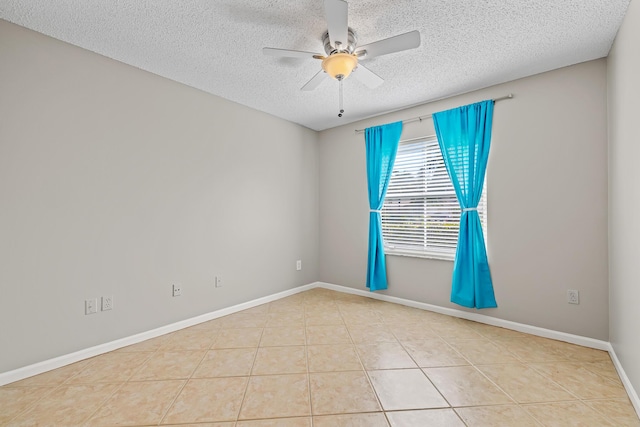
x,y
343,53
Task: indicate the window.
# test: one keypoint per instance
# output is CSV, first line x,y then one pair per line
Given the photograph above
x,y
421,214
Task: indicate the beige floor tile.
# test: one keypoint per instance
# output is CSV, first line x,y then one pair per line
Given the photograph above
x,y
482,351
52,378
286,319
346,297
496,416
137,403
207,400
384,355
277,422
323,319
620,411
413,332
563,414
202,425
495,332
283,306
152,344
189,339
276,396
426,417
327,334
230,362
524,384
342,392
259,309
14,400
365,334
465,386
320,307
433,352
280,360
111,367
168,365
242,320
277,337
575,353
530,351
68,405
604,368
455,330
238,338
364,317
405,389
376,419
332,358
580,381
404,317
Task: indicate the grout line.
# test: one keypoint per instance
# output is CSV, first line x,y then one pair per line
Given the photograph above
x,y
306,359
104,402
117,389
364,369
253,364
173,401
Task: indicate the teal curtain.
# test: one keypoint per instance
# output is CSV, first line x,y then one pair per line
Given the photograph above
x,y
381,147
464,135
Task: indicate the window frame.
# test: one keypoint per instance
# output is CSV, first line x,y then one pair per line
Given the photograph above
x,y
427,251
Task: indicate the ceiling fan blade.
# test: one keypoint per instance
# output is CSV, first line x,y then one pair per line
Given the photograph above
x,y
367,76
393,44
315,81
286,53
337,13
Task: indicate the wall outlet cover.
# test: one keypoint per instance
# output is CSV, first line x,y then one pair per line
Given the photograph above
x,y
91,306
107,303
573,296
177,290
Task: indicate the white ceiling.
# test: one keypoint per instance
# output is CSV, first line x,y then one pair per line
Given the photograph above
x,y
215,45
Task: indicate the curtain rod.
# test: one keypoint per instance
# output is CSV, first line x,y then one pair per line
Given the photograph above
x,y
421,118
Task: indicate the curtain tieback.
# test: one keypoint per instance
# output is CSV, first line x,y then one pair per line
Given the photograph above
x,y
373,210
469,209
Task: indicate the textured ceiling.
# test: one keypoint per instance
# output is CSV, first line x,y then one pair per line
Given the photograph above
x,y
215,45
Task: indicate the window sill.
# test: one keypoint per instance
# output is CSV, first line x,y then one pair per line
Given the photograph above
x,y
426,255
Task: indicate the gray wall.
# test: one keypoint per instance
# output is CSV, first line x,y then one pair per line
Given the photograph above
x,y
547,203
624,194
114,181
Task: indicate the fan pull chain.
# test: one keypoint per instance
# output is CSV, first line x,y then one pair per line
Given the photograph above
x,y
341,102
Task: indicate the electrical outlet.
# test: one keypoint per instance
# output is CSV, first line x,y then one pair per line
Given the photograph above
x,y
299,265
177,290
91,306
218,282
573,296
107,303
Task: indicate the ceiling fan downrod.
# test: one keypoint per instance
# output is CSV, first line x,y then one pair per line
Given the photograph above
x,y
340,99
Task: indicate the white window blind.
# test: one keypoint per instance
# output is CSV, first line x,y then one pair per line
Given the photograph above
x,y
421,214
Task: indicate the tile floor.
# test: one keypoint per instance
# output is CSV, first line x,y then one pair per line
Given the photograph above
x,y
329,359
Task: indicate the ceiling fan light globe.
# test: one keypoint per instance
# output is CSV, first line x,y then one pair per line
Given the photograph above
x,y
339,65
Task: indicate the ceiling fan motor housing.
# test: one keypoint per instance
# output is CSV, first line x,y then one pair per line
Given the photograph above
x,y
350,47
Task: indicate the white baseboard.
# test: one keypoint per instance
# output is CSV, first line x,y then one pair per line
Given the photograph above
x,y
58,362
633,395
507,324
481,318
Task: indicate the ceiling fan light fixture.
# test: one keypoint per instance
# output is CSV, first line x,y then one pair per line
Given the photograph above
x,y
339,65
